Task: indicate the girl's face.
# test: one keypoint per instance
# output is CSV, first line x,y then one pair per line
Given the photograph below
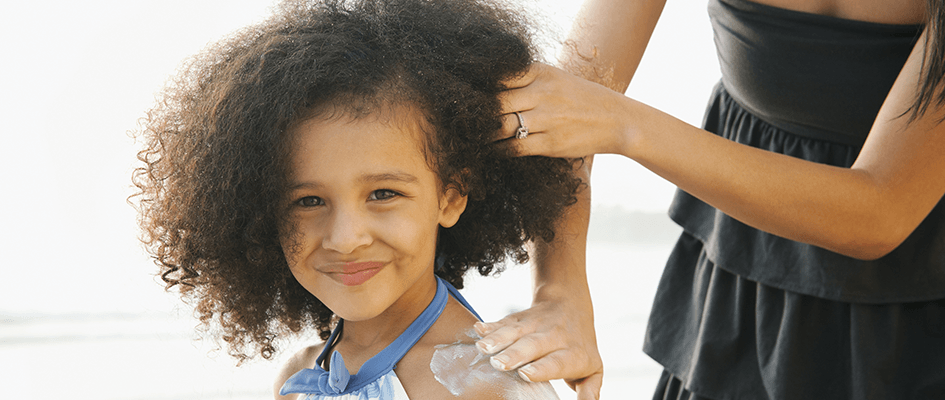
x,y
364,213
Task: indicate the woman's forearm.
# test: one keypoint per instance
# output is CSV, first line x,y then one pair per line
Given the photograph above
x,y
560,265
813,203
865,211
862,212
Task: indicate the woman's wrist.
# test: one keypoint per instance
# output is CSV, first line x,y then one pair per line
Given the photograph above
x,y
632,135
574,292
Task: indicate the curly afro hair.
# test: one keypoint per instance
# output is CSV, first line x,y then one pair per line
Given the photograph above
x,y
215,162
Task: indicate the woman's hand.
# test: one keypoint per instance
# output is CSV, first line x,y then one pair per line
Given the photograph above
x,y
553,339
566,116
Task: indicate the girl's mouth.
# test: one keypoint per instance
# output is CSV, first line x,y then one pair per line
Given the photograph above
x,y
353,274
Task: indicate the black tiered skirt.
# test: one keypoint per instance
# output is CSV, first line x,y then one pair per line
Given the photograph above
x,y
722,335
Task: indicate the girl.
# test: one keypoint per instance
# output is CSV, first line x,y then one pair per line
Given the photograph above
x,y
329,170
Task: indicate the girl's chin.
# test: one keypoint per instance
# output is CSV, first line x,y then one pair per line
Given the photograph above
x,y
354,313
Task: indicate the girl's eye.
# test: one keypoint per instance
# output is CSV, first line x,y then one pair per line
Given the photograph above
x,y
310,201
383,194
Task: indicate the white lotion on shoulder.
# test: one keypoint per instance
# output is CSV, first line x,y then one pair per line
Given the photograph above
x,y
460,367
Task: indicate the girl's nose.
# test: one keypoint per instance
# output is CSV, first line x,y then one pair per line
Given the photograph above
x,y
346,232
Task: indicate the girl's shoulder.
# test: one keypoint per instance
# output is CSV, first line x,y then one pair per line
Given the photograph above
x,y
446,364
304,358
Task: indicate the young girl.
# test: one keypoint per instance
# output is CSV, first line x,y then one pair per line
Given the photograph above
x,y
330,169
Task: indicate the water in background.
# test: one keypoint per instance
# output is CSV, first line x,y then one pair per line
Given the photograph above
x,y
152,355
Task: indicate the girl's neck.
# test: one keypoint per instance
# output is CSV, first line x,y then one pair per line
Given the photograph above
x,y
360,340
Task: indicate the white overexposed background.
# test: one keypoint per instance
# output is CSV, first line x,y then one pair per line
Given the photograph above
x,y
81,313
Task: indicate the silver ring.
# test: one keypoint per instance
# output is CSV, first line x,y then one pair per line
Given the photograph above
x,y
522,131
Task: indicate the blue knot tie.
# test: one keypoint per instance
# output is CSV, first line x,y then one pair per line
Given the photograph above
x,y
338,376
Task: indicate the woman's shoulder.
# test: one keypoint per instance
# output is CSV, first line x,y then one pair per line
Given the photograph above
x,y
302,359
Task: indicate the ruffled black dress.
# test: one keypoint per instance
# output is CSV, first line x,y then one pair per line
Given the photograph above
x,y
743,314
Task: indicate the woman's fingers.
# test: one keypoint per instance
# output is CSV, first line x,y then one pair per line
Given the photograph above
x,y
531,346
527,78
552,361
513,122
541,144
521,136
547,367
516,100
521,96
568,116
507,332
551,340
589,387
498,336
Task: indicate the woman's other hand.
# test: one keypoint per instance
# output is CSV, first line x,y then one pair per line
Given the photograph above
x,y
555,338
558,333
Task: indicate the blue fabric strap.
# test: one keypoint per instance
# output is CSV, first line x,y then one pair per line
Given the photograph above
x,y
460,298
339,381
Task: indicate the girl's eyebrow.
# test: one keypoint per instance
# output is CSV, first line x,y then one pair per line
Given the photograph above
x,y
402,177
390,176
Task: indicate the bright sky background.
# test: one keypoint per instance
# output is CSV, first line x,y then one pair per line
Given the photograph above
x,y
76,77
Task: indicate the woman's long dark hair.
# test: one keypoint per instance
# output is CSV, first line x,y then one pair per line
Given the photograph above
x,y
932,81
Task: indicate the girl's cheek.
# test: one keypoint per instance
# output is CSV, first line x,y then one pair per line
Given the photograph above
x,y
406,230
291,258
292,242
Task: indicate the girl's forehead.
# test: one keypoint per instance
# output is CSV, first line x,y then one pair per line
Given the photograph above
x,y
405,119
326,144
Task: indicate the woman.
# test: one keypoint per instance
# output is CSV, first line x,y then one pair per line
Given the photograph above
x,y
812,263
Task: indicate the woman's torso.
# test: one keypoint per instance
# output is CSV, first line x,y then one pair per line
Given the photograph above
x,y
808,86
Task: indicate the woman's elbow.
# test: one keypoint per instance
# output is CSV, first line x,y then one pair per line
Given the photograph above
x,y
875,243
867,252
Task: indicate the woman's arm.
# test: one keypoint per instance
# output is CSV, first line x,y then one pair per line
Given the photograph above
x,y
555,338
610,34
864,212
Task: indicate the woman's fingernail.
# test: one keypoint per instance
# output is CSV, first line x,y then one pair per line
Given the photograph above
x,y
528,369
498,364
481,328
485,346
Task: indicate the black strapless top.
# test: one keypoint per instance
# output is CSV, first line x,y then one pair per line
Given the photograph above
x,y
808,86
811,75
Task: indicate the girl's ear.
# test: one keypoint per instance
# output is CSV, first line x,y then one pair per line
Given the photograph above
x,y
452,205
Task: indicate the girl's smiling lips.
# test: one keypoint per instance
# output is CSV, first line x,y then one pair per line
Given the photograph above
x,y
354,273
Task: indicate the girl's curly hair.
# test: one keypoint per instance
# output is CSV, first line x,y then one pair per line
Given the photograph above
x,y
215,163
